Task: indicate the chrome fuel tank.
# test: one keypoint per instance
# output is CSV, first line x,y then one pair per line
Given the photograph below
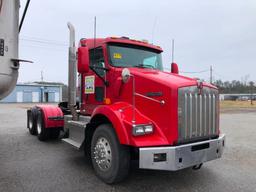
x,y
9,31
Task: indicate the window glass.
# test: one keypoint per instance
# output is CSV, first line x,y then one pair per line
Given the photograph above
x,y
134,56
152,61
97,60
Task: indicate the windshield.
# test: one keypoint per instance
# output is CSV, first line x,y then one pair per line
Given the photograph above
x,y
134,56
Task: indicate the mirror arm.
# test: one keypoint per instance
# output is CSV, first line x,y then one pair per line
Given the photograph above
x,y
106,83
103,68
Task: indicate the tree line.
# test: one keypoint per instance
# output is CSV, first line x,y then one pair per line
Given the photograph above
x,y
235,86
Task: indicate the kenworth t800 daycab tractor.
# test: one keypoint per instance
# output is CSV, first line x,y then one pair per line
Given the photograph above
x,y
129,108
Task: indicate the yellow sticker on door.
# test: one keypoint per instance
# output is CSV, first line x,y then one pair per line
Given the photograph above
x,y
89,84
117,56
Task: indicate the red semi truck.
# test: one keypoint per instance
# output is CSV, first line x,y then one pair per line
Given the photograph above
x,y
130,109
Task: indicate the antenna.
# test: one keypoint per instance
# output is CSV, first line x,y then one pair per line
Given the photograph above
x,y
94,43
172,50
153,30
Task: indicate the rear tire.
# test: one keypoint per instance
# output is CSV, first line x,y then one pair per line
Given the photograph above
x,y
42,132
31,118
110,159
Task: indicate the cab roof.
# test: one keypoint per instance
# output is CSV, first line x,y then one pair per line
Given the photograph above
x,y
119,40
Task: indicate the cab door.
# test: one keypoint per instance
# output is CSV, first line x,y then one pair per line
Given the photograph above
x,y
95,89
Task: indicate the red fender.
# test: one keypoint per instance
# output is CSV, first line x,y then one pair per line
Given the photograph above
x,y
112,112
120,115
53,116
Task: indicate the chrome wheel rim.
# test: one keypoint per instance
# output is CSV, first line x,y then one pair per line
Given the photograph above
x,y
102,154
39,125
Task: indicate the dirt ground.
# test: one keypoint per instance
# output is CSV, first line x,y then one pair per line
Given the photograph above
x,y
26,164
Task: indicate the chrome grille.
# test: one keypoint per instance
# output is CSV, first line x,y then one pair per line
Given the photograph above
x,y
197,113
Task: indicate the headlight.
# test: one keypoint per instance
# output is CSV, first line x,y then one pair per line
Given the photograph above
x,y
142,129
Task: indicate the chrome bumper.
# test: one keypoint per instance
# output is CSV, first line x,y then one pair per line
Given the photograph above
x,y
180,157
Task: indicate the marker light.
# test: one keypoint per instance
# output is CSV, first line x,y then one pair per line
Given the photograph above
x,y
107,101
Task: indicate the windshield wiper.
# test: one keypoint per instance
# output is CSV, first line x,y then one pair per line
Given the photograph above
x,y
140,65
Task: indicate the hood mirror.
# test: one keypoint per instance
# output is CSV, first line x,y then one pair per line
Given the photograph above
x,y
126,75
174,68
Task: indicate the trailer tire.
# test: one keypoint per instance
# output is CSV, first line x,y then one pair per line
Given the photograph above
x,y
110,159
31,122
42,132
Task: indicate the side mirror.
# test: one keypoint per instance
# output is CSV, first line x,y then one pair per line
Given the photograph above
x,y
126,75
174,68
83,60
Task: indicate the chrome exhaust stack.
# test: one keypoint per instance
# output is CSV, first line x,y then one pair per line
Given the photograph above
x,y
72,73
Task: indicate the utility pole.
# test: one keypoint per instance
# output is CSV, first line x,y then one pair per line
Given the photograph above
x,y
211,74
42,76
251,86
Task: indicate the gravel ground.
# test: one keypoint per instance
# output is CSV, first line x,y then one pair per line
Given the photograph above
x,y
27,164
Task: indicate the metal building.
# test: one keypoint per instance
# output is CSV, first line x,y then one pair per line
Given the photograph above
x,y
238,96
35,93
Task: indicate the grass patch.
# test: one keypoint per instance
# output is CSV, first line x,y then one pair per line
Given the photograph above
x,y
237,104
237,107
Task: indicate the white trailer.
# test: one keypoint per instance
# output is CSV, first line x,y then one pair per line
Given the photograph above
x,y
9,42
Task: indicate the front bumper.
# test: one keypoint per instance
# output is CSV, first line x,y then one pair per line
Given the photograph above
x,y
180,157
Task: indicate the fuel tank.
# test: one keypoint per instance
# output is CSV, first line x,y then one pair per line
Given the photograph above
x,y
9,32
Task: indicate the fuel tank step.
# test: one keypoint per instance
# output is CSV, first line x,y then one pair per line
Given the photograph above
x,y
76,130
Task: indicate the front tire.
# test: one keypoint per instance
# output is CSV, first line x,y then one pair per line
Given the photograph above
x,y
110,159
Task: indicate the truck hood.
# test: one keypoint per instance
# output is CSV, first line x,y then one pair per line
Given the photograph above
x,y
153,87
166,78
161,86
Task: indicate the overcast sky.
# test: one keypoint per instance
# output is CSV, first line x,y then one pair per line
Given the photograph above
x,y
221,33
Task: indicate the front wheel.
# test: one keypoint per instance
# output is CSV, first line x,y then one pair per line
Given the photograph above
x,y
110,159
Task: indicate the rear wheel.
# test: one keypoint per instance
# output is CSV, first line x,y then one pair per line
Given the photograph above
x,y
42,132
31,122
110,159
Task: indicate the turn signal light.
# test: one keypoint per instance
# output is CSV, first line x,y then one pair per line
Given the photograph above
x,y
107,101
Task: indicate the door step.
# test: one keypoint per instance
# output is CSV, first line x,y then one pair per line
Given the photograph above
x,y
72,142
76,130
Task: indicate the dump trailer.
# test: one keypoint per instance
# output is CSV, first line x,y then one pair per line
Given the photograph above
x,y
131,109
